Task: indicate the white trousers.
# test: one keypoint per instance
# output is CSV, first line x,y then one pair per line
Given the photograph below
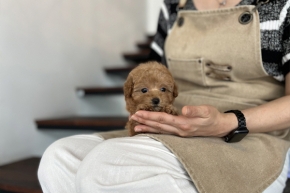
x,y
88,164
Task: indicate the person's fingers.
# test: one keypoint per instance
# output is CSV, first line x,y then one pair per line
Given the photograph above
x,y
178,125
148,125
129,117
160,117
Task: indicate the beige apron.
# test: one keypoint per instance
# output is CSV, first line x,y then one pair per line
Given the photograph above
x,y
216,60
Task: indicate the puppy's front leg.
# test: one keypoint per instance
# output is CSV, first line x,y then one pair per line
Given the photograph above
x,y
170,109
130,126
143,107
131,123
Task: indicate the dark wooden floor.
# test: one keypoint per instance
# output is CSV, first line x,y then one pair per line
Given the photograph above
x,y
21,177
287,188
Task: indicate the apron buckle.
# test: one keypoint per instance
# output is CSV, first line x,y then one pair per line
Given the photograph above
x,y
246,18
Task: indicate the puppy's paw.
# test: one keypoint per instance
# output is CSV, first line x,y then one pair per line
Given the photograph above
x,y
130,126
170,110
142,107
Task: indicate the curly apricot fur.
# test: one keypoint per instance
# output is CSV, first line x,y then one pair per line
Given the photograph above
x,y
144,83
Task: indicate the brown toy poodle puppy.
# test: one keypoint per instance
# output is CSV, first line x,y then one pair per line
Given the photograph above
x,y
151,87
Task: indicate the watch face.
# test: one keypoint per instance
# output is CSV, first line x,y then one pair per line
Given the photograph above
x,y
237,135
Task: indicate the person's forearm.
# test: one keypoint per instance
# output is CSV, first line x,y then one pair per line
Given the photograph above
x,y
274,115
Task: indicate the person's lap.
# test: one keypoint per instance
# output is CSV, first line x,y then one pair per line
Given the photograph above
x,y
60,162
86,163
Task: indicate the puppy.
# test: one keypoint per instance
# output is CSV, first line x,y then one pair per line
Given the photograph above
x,y
151,87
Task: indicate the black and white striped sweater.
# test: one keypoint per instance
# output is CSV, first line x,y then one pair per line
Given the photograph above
x,y
274,27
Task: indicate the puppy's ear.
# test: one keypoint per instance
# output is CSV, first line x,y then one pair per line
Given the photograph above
x,y
128,87
175,90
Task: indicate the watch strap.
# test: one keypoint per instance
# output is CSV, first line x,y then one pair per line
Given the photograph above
x,y
241,131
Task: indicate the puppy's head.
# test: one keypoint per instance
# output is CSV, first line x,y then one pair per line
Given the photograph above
x,y
149,84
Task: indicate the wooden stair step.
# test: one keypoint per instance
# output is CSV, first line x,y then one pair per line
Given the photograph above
x,y
287,188
20,176
144,45
84,123
150,38
137,57
119,70
99,91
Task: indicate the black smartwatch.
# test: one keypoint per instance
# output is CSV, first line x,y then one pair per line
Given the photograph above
x,y
239,133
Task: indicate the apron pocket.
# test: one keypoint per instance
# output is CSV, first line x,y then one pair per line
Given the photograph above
x,y
190,70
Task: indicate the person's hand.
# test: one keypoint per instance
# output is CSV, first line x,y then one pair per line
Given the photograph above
x,y
194,121
129,117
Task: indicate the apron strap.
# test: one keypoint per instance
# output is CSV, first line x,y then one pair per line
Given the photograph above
x,y
182,4
259,3
262,1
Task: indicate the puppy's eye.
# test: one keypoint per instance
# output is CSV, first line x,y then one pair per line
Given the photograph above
x,y
163,89
144,90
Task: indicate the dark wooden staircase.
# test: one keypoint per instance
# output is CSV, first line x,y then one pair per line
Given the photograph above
x,y
141,56
21,176
101,123
99,91
84,123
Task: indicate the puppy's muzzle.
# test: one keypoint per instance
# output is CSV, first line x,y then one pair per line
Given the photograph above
x,y
155,101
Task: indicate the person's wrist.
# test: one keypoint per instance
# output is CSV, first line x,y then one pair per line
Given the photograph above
x,y
241,131
229,123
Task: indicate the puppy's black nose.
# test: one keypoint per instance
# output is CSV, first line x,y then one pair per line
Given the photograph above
x,y
155,101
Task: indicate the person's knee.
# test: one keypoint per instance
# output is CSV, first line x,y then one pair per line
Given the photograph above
x,y
118,160
126,164
51,156
97,168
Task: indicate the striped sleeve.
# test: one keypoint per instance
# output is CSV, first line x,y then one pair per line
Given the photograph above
x,y
167,16
286,45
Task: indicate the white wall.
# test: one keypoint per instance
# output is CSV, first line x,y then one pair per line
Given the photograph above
x,y
152,14
50,47
47,49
